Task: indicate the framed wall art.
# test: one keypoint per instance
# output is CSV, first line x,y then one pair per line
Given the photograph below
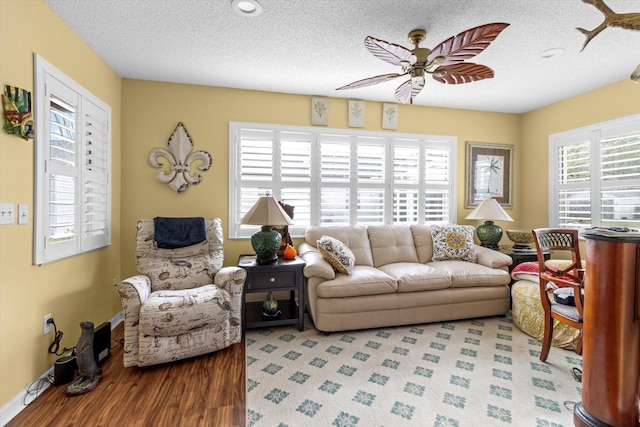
x,y
389,116
489,173
356,114
319,111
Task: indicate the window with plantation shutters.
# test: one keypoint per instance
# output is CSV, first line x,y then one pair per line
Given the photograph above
x,y
595,175
340,177
72,176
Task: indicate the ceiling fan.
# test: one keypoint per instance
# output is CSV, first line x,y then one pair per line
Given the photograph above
x,y
445,62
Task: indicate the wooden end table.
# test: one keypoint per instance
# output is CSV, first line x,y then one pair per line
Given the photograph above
x,y
282,275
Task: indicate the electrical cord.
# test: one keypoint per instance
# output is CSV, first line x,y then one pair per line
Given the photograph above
x,y
54,347
577,374
36,387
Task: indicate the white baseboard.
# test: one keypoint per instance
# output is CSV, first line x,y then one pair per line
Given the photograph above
x,y
21,400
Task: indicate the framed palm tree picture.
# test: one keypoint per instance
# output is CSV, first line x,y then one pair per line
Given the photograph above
x,y
488,173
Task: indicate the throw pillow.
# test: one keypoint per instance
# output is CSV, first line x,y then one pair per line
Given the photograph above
x,y
526,271
337,254
453,242
531,271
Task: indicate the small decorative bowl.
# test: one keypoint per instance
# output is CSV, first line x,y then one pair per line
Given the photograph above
x,y
521,238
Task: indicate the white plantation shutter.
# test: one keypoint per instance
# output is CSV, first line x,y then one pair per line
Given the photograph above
x,y
335,179
406,179
340,177
63,174
620,186
438,172
574,183
95,177
371,177
596,175
73,164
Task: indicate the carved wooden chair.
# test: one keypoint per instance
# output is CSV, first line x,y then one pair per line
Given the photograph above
x,y
569,274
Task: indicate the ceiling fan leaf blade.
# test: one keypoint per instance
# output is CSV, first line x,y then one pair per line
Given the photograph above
x,y
465,72
370,81
409,89
403,92
467,44
417,86
389,52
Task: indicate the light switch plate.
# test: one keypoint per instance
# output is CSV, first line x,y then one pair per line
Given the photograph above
x,y
23,214
6,213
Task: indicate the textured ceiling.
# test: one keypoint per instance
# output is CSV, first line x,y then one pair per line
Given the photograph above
x,y
314,46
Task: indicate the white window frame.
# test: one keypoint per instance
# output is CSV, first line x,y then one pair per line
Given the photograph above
x,y
91,169
238,231
593,135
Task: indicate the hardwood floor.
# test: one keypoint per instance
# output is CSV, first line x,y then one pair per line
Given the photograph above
x,y
203,391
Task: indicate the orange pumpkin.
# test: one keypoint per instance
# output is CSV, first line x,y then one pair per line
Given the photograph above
x,y
290,252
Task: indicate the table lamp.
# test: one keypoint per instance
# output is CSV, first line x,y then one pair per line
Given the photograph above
x,y
266,212
488,233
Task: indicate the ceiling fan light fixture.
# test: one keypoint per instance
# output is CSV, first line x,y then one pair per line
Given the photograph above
x,y
246,7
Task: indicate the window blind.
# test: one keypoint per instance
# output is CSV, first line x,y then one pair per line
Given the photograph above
x,y
340,177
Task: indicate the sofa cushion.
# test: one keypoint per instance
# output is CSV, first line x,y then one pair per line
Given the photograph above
x,y
423,242
391,244
413,276
465,274
363,281
355,237
453,242
337,254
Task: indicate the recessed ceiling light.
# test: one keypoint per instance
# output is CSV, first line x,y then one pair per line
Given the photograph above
x,y
246,7
549,53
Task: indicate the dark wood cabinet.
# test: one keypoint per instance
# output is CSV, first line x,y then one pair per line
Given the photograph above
x,y
282,275
611,346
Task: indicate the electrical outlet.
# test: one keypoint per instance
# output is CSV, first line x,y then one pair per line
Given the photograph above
x,y
6,213
46,326
23,214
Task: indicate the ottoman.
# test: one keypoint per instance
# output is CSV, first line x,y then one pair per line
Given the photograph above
x,y
528,316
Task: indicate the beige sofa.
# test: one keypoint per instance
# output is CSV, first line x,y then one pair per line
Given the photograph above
x,y
396,282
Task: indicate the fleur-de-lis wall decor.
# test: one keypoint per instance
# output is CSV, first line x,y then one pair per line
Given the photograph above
x,y
180,158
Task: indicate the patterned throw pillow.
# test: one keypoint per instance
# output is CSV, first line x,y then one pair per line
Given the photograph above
x,y
453,242
337,254
529,270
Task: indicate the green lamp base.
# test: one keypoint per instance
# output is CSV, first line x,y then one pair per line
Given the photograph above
x,y
266,243
489,235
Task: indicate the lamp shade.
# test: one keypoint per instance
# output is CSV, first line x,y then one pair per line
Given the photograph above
x,y
488,233
489,209
266,212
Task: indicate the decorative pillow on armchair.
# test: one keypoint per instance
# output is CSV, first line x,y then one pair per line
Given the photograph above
x,y
337,254
453,242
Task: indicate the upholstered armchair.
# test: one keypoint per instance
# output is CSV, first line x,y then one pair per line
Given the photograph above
x,y
183,303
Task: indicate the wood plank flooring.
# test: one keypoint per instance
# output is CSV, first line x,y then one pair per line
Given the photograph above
x,y
203,391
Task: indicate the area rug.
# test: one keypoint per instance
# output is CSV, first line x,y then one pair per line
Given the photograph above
x,y
482,372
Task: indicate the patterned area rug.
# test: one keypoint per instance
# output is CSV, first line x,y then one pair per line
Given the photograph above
x,y
482,372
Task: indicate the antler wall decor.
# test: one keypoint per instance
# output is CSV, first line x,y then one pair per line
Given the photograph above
x,y
629,21
180,156
635,76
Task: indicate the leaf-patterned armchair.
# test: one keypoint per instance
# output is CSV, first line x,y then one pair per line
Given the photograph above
x,y
183,303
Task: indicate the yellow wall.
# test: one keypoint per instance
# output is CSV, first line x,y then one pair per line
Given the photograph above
x,y
76,289
80,288
610,102
153,109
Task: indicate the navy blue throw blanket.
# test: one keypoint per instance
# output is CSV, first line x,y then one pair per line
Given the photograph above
x,y
173,233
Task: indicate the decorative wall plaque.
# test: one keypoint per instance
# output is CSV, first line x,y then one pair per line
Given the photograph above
x,y
181,158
